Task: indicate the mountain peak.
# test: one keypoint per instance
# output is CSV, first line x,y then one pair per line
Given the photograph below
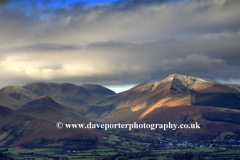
x,y
185,83
44,97
188,78
188,83
44,100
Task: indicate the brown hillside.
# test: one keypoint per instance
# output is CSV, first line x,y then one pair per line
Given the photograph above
x,y
46,108
21,130
177,99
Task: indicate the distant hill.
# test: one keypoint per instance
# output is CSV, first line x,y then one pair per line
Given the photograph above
x,y
69,94
18,93
10,102
37,107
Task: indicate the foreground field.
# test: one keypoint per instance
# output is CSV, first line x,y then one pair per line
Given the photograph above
x,y
111,153
125,144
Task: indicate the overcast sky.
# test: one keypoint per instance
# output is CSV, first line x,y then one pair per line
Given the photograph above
x,y
118,43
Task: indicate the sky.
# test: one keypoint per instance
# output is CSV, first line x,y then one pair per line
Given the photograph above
x,y
118,44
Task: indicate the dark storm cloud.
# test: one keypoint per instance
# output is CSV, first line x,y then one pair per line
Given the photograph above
x,y
4,2
109,44
124,42
135,4
47,47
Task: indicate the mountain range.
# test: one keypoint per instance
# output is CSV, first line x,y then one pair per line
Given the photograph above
x,y
29,113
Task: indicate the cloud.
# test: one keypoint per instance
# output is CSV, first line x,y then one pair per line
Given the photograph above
x,y
47,47
136,4
121,43
4,2
106,22
194,62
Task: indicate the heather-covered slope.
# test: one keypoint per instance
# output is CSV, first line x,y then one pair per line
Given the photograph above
x,y
212,120
17,129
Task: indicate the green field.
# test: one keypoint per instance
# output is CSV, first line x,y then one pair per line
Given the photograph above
x,y
121,144
40,153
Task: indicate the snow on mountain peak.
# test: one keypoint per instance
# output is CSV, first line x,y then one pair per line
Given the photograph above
x,y
185,83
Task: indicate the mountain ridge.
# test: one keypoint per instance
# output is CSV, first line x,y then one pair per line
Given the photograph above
x,y
65,93
189,83
177,98
46,108
185,97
